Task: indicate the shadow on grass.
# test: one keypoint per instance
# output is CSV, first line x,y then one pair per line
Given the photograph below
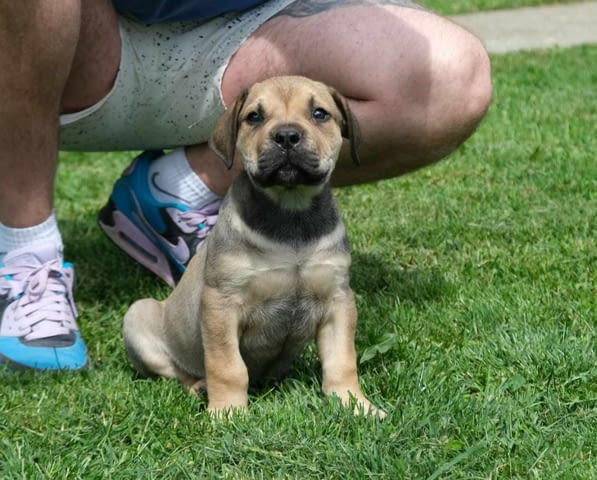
x,y
105,274
374,276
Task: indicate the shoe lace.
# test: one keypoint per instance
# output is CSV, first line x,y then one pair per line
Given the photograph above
x,y
42,295
202,220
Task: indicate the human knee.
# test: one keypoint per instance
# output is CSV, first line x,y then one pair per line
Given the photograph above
x,y
447,93
476,86
438,99
463,79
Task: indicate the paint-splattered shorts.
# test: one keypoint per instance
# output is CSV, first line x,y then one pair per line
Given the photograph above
x,y
167,91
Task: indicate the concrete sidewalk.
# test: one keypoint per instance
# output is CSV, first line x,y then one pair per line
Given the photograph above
x,y
563,25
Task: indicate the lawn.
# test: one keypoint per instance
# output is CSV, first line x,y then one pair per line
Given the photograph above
x,y
475,283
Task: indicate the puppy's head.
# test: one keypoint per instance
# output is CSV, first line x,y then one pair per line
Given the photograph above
x,y
287,131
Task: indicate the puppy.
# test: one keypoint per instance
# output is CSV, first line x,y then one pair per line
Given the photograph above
x,y
274,272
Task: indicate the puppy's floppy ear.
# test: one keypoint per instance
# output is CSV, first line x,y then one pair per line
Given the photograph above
x,y
223,137
350,127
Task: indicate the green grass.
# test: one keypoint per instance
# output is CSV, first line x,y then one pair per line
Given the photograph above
x,y
466,6
475,282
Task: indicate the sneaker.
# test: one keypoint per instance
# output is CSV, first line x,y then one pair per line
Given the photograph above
x,y
38,329
160,236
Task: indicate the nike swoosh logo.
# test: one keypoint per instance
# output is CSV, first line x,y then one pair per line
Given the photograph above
x,y
160,189
180,251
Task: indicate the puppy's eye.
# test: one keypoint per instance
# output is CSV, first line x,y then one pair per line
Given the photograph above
x,y
320,115
254,118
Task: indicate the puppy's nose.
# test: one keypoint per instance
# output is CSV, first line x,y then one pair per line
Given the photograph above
x,y
287,138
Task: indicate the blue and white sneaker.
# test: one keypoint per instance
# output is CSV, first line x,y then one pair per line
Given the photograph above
x,y
160,236
38,328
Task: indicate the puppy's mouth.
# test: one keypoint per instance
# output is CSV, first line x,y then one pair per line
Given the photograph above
x,y
288,169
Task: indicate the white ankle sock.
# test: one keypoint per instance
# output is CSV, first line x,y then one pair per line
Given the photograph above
x,y
171,179
16,238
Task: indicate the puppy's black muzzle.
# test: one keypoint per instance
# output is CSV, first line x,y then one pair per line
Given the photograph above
x,y
287,162
288,169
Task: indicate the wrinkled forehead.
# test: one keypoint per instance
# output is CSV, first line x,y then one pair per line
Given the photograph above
x,y
289,97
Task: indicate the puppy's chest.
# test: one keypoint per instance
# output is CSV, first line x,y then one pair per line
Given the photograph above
x,y
283,293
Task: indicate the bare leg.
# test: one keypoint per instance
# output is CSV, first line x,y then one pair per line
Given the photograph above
x,y
97,57
46,46
418,84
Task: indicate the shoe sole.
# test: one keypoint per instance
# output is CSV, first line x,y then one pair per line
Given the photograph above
x,y
17,356
11,366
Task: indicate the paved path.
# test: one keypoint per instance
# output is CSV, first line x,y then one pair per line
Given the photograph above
x,y
563,25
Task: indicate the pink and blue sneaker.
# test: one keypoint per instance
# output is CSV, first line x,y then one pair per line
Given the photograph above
x,y
161,236
38,328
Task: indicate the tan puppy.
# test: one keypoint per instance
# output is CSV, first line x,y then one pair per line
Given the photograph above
x,y
274,272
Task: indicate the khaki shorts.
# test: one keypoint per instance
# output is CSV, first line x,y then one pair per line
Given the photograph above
x,y
167,92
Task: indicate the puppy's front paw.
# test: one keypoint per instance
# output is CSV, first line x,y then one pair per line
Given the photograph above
x,y
365,407
226,406
225,412
360,405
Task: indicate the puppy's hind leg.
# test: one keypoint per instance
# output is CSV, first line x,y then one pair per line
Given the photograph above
x,y
144,340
